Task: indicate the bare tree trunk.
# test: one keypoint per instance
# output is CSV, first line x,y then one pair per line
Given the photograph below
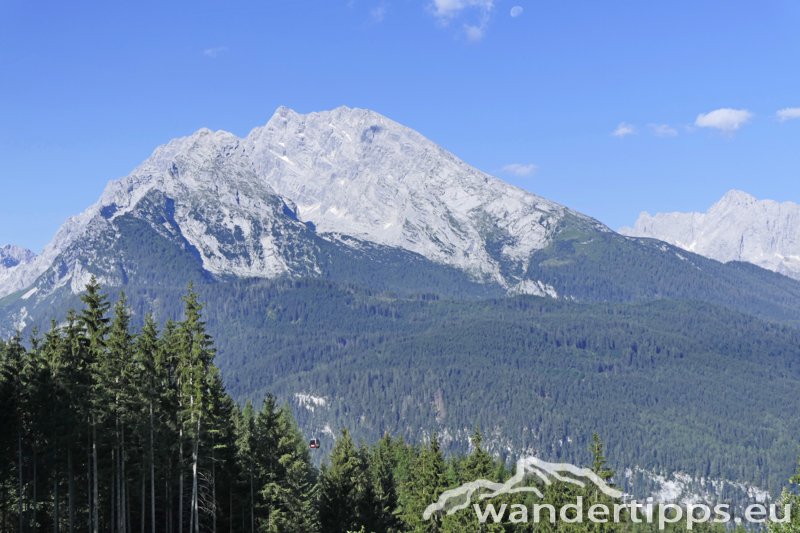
x,y
180,481
20,496
168,516
195,457
127,504
252,506
152,476
193,515
71,488
114,522
168,509
123,485
3,510
35,488
213,491
89,478
55,502
143,517
95,490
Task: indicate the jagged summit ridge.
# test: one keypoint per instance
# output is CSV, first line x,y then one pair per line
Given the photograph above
x,y
739,227
356,172
350,172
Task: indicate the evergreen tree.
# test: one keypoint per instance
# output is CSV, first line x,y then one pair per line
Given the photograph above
x,y
289,493
194,375
147,379
346,497
427,481
790,497
245,442
383,465
95,323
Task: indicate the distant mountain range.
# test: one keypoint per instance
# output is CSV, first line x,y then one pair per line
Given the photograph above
x,y
345,257
737,228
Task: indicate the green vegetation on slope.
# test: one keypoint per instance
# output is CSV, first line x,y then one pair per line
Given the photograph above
x,y
108,429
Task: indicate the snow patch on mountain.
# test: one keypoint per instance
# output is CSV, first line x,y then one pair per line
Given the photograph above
x,y
533,288
309,401
737,228
682,488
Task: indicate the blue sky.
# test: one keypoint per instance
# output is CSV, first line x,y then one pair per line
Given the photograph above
x,y
89,89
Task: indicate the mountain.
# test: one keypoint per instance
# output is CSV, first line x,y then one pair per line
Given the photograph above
x,y
15,262
737,228
12,256
355,172
349,176
352,196
349,264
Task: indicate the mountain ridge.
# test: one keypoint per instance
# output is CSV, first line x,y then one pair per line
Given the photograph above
x,y
738,227
240,173
351,196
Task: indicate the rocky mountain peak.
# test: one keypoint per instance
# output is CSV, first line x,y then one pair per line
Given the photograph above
x,y
739,227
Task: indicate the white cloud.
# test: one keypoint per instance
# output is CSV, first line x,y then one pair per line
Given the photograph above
x,y
788,113
726,120
623,130
215,51
516,11
451,8
520,169
663,130
475,14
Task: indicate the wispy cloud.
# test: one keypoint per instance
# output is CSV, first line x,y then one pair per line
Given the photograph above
x,y
378,13
663,130
516,11
450,8
726,120
623,130
474,32
520,169
215,51
788,113
474,15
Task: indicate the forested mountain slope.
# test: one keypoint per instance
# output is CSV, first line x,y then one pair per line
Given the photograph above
x,y
682,362
672,385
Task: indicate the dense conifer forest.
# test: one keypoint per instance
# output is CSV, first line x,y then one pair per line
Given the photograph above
x,y
109,429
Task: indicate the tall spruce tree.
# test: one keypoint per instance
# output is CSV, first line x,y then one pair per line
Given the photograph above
x,y
94,320
289,492
194,370
383,464
427,481
346,501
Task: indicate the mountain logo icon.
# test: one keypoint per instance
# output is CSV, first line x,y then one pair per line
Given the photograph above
x,y
454,500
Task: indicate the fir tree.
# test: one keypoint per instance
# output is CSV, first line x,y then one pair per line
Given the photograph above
x,y
428,480
346,498
383,465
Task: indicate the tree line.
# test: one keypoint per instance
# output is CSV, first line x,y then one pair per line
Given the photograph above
x,y
109,429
